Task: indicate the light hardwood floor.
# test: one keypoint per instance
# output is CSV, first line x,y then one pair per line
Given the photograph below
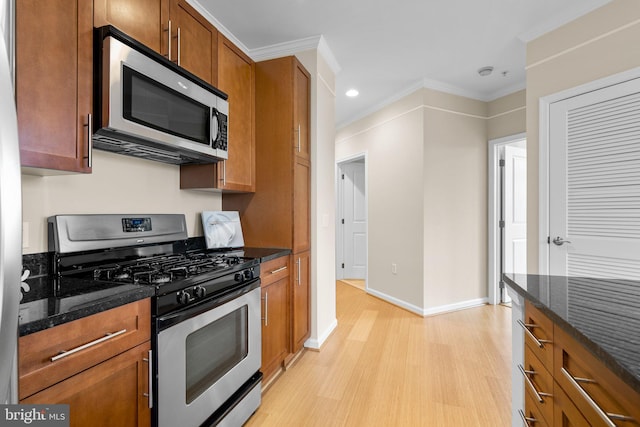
x,y
384,366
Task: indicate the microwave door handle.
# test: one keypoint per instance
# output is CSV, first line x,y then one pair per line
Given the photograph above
x,y
214,115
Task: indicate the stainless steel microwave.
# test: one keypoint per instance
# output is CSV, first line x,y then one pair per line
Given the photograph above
x,y
146,106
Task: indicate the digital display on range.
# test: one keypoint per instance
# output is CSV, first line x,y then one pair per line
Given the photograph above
x,y
130,225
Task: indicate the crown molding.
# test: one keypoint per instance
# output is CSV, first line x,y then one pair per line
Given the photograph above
x,y
292,47
453,90
517,87
434,85
221,28
327,54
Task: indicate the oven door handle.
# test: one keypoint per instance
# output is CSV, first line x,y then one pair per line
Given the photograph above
x,y
164,322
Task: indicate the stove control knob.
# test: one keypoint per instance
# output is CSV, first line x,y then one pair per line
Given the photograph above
x,y
184,298
238,277
248,274
199,292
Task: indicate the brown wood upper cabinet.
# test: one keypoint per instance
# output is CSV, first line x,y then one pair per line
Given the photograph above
x,y
302,90
277,215
172,28
194,44
54,91
236,77
144,20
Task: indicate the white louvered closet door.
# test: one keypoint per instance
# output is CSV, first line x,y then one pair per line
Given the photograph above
x,y
594,183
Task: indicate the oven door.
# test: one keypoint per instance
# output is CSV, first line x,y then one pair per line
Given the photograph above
x,y
204,359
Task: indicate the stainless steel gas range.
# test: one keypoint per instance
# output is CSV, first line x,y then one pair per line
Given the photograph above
x,y
206,310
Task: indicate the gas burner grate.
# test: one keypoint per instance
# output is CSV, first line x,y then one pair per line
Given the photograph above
x,y
166,268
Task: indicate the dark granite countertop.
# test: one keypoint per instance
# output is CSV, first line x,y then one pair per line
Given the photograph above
x,y
601,314
42,308
266,254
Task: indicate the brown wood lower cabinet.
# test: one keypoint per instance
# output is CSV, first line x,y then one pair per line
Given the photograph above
x,y
274,277
565,413
601,396
300,323
112,393
575,387
98,364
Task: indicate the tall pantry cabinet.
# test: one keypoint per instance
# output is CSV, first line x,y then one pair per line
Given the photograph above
x,y
278,213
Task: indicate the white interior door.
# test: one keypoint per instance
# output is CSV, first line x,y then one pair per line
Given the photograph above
x,y
355,220
515,209
594,183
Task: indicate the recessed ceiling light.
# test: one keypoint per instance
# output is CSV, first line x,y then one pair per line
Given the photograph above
x,y
485,71
352,93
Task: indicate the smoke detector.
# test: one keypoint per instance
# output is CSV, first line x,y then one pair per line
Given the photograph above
x,y
485,71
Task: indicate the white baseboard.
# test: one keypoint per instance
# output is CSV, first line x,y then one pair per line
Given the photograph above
x,y
315,344
429,311
455,306
395,301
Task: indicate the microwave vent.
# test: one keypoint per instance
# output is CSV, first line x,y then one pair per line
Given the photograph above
x,y
155,153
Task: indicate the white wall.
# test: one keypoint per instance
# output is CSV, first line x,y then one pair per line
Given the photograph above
x,y
392,140
323,254
427,195
455,206
118,184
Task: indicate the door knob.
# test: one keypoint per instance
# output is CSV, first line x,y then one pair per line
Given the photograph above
x,y
560,241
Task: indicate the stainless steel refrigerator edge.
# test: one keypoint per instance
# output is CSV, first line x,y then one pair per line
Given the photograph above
x,y
10,210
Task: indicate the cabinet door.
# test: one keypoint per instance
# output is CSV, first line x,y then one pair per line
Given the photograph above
x,y
301,205
236,77
144,20
113,393
300,300
194,41
301,114
54,82
274,326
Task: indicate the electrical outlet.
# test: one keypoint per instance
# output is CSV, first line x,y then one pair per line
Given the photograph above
x,y
394,268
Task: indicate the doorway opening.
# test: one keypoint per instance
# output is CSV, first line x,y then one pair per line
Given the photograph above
x,y
507,212
351,217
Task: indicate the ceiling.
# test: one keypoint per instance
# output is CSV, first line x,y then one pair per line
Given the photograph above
x,y
388,48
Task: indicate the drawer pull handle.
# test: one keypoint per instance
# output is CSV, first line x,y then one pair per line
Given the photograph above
x,y
278,270
540,343
605,416
526,421
87,345
539,394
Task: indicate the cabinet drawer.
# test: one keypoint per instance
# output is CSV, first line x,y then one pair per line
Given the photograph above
x,y
538,383
52,355
538,334
532,414
273,270
112,393
565,413
594,389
